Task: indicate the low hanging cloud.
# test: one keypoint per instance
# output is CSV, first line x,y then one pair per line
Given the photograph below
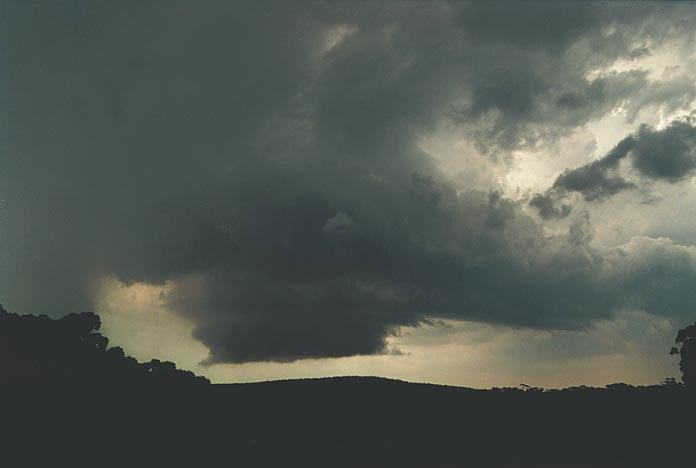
x,y
265,164
668,155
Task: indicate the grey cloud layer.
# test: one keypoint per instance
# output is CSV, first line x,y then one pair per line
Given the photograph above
x,y
276,181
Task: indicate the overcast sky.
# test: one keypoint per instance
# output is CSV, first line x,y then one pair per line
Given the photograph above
x,y
472,193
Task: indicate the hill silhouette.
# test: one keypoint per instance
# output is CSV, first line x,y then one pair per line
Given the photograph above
x,y
66,395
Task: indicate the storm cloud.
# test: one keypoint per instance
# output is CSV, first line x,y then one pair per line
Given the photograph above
x,y
264,159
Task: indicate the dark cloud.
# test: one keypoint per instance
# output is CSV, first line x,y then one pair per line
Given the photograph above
x,y
549,205
539,85
264,159
668,154
598,180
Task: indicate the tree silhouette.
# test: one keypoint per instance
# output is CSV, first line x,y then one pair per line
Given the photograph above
x,y
686,338
71,351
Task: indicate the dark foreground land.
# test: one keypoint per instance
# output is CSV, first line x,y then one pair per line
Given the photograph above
x,y
81,403
359,422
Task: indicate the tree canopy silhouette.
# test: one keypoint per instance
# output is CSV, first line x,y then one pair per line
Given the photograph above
x,y
686,339
71,351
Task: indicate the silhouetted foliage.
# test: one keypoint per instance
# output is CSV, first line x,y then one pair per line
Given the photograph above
x,y
686,339
71,351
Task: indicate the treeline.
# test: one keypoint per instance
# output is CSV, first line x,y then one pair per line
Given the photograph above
x,y
70,351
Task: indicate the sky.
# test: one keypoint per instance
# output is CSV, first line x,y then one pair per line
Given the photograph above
x,y
469,193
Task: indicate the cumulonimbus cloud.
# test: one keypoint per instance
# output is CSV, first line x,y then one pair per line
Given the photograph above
x,y
265,162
